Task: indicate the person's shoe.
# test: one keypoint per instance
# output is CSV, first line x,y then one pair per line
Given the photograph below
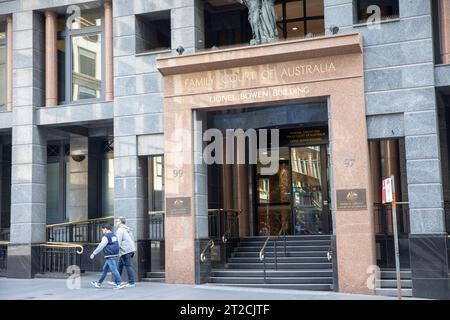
x,y
118,286
130,285
112,283
96,284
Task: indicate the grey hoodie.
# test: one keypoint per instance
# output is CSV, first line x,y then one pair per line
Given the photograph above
x,y
126,242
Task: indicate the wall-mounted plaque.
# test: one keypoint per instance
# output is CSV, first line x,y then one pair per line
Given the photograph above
x,y
293,137
179,206
352,199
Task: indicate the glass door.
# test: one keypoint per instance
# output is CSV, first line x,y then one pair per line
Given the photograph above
x,y
309,190
274,199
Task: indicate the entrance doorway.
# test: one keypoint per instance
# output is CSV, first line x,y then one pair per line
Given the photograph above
x,y
295,200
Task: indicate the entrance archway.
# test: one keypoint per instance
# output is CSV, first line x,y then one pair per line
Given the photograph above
x,y
328,68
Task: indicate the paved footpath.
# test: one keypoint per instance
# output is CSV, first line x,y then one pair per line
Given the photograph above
x,y
56,289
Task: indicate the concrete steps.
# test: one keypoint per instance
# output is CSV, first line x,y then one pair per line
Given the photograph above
x,y
303,265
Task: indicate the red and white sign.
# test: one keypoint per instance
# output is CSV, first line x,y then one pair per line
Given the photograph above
x,y
387,191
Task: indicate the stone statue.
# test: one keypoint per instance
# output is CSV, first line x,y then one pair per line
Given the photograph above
x,y
263,20
268,21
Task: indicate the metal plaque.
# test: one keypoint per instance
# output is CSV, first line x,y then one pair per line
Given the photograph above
x,y
179,206
351,199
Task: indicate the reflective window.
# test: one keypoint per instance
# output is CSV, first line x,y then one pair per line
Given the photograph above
x,y
157,183
87,67
2,75
107,187
2,64
87,19
80,61
53,212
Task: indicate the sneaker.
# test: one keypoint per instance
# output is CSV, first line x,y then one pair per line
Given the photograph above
x,y
96,284
112,283
130,285
118,286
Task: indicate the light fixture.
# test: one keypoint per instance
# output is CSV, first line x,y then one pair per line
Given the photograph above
x,y
334,29
295,28
78,157
180,50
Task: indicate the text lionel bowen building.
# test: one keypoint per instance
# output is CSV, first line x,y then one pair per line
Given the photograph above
x,y
105,106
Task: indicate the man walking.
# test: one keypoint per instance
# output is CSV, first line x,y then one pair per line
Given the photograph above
x,y
110,247
126,251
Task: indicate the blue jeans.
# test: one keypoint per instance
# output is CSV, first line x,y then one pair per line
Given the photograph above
x,y
125,260
110,264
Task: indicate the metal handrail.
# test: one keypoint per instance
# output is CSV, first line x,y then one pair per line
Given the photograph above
x,y
210,244
236,219
262,257
330,254
156,213
4,243
63,245
78,222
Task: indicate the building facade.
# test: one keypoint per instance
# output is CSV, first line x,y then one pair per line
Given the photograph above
x,y
107,108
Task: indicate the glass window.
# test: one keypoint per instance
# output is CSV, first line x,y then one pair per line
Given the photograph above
x,y
300,18
153,32
107,187
53,193
226,24
389,9
2,75
87,19
156,183
87,67
58,182
80,62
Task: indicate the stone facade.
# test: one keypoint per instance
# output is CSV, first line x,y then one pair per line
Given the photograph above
x,y
400,83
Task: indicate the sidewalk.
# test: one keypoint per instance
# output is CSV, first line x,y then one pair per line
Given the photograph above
x,y
56,289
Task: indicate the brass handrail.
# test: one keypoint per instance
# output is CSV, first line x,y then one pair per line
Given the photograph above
x,y
78,222
63,245
202,255
330,254
261,253
4,242
156,213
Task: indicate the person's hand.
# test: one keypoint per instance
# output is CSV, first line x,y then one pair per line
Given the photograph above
x,y
92,256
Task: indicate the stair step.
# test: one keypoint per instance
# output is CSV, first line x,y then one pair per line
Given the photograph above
x,y
274,280
279,260
388,274
260,265
393,292
155,275
389,284
288,248
155,280
297,237
315,287
272,273
302,254
280,243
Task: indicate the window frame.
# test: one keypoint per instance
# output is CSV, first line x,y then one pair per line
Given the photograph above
x,y
67,35
304,19
140,16
4,43
62,159
356,9
105,155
